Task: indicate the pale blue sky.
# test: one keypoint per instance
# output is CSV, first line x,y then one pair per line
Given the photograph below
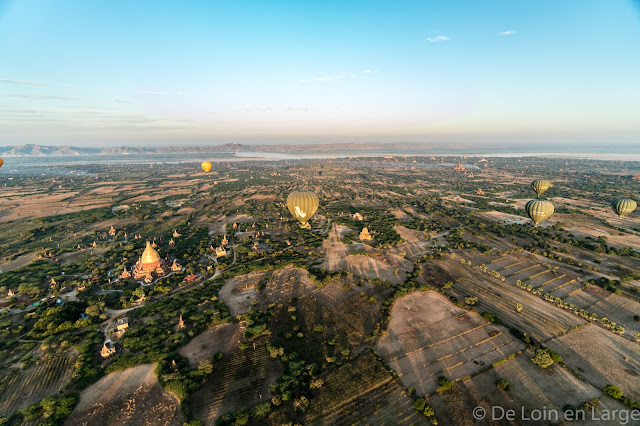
x,y
167,72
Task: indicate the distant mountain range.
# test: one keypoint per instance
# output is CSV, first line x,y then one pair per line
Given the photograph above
x,y
32,150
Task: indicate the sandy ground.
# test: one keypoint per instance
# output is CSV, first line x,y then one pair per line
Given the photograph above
x,y
80,255
223,338
239,293
18,262
334,249
615,240
42,205
602,358
381,266
429,337
505,218
129,397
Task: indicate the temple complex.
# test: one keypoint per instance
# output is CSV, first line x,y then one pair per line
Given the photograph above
x,y
357,216
112,231
365,235
479,191
149,266
220,251
459,167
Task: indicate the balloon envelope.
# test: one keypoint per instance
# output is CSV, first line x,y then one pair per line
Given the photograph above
x,y
540,186
623,206
1,162
302,205
539,210
206,166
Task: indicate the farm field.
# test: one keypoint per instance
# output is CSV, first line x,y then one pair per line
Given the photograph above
x,y
363,391
240,379
531,388
22,388
602,358
429,337
345,316
538,318
129,397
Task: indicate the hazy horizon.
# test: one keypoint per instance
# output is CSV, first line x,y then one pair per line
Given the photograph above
x,y
286,72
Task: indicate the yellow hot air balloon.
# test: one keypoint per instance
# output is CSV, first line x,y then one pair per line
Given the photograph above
x,y
302,205
206,166
540,186
539,210
623,206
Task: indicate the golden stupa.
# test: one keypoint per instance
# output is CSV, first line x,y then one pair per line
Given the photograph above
x,y
149,265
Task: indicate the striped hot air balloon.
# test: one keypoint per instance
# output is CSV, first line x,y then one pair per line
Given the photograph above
x,y
623,206
302,205
539,210
540,186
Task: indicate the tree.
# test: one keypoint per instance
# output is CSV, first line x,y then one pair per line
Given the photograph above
x,y
262,410
612,391
138,292
205,367
419,404
503,384
542,358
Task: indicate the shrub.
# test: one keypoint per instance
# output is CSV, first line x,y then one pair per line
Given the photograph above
x,y
612,391
503,384
445,384
262,410
542,358
419,404
471,301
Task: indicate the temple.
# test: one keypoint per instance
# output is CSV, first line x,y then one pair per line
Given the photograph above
x,y
107,350
112,231
365,235
149,266
459,167
357,216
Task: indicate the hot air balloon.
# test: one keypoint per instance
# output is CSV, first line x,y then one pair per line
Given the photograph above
x,y
539,210
540,186
302,205
623,206
206,166
1,162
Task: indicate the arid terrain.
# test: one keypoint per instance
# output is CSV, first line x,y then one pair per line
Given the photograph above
x,y
132,294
